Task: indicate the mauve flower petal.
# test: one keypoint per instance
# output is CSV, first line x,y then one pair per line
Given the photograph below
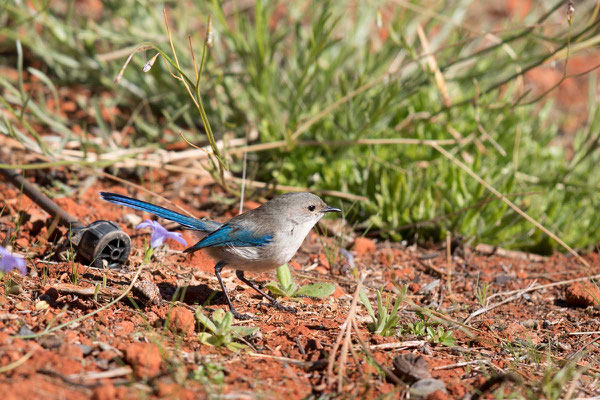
x,y
160,234
146,224
4,266
176,236
21,266
10,261
158,237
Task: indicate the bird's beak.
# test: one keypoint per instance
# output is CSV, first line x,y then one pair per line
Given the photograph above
x,y
331,209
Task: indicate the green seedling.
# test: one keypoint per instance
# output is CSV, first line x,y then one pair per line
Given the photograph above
x,y
423,328
148,252
286,287
482,294
221,332
385,321
12,287
209,374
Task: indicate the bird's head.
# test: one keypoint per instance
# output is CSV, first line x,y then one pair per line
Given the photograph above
x,y
303,207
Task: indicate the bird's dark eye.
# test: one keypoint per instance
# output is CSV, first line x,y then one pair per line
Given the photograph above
x,y
311,208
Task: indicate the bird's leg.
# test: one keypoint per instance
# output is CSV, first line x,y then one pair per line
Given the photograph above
x,y
236,314
274,303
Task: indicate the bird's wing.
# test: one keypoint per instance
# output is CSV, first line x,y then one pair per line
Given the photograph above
x,y
232,235
188,222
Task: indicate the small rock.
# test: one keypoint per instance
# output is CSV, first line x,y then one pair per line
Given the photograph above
x,y
582,295
364,246
429,287
502,279
124,328
322,270
50,342
132,220
517,332
12,288
530,323
24,330
427,386
410,367
106,391
414,287
71,351
438,395
546,324
146,288
41,305
181,320
339,292
85,349
144,358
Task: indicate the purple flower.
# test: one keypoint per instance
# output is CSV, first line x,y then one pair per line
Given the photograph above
x,y
8,261
160,234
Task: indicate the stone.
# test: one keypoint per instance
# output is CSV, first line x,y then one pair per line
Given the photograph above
x,y
582,295
144,358
427,386
364,246
410,367
182,321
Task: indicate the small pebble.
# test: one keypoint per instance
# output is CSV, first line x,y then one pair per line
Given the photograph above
x,y
132,220
530,323
425,387
24,330
85,349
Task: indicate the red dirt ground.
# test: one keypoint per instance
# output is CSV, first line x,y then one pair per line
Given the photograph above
x,y
124,352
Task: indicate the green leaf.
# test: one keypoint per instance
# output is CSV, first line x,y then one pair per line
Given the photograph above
x,y
365,300
235,346
243,331
218,340
203,337
273,287
205,321
285,277
218,316
319,290
227,322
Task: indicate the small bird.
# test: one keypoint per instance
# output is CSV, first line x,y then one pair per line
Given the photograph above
x,y
258,240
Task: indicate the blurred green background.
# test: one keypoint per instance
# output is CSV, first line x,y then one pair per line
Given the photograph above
x,y
432,70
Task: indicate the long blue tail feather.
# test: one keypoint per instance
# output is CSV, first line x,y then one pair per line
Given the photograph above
x,y
184,220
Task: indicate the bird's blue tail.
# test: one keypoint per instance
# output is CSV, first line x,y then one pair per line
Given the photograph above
x,y
184,220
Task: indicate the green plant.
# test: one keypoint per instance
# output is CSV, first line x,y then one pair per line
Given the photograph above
x,y
286,287
383,323
74,273
482,293
209,374
423,328
11,287
148,252
220,330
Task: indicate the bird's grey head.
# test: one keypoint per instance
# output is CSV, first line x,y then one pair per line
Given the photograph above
x,y
301,207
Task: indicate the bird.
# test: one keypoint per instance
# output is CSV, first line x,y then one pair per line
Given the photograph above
x,y
258,240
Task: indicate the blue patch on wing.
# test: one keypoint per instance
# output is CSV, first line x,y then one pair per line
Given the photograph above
x,y
229,235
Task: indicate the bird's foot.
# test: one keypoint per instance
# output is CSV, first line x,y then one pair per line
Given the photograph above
x,y
279,306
